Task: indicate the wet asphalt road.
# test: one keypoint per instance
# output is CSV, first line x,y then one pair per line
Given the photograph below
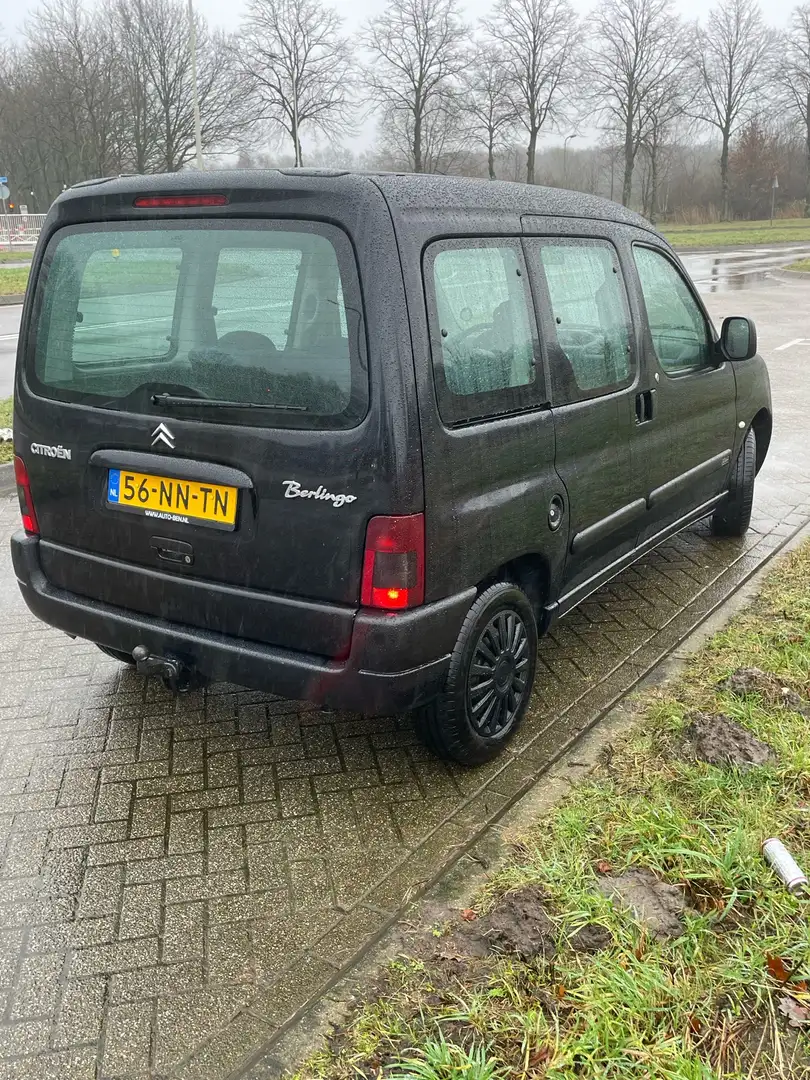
x,y
9,329
178,876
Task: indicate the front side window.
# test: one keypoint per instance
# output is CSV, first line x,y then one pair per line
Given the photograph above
x,y
483,344
240,315
680,335
589,324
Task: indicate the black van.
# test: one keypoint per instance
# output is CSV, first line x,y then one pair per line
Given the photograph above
x,y
361,438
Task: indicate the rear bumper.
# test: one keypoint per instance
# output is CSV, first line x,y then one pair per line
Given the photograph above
x,y
396,661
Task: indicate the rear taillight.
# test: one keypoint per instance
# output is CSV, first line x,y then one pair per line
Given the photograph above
x,y
29,515
394,563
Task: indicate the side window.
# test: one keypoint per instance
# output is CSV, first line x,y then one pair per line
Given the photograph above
x,y
681,338
483,345
590,320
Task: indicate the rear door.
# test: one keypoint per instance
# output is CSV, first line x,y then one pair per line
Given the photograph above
x,y
489,451
210,380
590,348
687,401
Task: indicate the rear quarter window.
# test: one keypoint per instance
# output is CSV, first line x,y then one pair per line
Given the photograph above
x,y
483,336
243,314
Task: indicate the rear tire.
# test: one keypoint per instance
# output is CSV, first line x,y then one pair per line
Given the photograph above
x,y
733,516
489,681
117,654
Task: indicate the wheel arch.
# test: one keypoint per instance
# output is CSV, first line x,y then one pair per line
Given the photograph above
x,y
532,573
762,426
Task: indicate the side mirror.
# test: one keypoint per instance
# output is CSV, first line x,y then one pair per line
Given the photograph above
x,y
738,338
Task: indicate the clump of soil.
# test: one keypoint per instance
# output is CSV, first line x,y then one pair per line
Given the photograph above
x,y
752,680
653,902
591,938
518,925
719,740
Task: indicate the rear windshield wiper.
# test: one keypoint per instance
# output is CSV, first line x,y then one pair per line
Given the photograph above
x,y
167,400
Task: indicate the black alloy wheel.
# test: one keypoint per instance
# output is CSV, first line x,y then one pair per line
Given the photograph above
x,y
498,680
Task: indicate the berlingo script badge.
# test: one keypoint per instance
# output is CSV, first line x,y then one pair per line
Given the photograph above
x,y
293,490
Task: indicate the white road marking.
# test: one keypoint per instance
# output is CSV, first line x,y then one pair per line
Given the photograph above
x,y
789,344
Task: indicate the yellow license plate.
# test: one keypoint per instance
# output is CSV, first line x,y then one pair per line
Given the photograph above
x,y
167,499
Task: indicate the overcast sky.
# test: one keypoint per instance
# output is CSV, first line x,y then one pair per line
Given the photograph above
x,y
226,13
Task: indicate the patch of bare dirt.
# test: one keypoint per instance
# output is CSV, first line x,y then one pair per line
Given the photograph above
x,y
753,680
766,1050
591,938
719,740
518,924
653,902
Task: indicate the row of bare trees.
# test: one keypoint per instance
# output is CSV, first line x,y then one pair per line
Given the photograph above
x,y
93,91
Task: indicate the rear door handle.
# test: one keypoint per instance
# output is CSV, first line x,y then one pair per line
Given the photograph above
x,y
645,406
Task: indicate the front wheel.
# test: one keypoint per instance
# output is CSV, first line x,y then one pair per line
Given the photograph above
x,y
489,681
732,517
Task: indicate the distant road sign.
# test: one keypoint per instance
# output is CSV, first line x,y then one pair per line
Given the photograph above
x,y
23,210
4,192
3,179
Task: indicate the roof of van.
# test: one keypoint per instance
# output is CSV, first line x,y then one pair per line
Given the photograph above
x,y
406,191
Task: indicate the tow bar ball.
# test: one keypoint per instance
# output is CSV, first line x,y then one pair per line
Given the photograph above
x,y
177,678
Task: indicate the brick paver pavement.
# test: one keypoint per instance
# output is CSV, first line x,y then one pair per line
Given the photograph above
x,y
180,875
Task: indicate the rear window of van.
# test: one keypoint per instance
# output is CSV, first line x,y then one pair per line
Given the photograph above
x,y
244,322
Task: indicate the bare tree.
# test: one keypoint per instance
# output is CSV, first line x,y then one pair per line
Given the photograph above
x,y
301,68
634,66
793,74
443,137
74,58
666,104
156,66
488,104
733,59
419,49
539,40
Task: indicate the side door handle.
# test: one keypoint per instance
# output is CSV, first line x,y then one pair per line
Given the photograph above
x,y
645,406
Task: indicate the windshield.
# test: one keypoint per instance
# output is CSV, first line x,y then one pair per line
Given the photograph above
x,y
150,318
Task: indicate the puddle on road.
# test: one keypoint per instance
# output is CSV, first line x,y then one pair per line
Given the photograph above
x,y
740,270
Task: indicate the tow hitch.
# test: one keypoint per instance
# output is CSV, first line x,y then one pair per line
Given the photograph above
x,y
176,676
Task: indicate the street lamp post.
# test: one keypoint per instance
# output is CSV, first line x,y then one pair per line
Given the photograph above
x,y
774,188
575,135
195,94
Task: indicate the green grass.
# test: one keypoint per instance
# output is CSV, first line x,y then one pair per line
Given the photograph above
x,y
15,256
737,233
107,278
700,1007
13,280
6,448
802,265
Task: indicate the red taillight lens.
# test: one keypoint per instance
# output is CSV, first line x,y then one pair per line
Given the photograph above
x,y
394,563
152,202
29,516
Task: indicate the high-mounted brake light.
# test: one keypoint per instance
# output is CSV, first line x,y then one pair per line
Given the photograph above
x,y
394,563
29,516
152,202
